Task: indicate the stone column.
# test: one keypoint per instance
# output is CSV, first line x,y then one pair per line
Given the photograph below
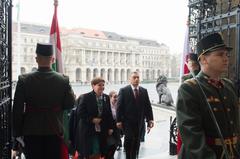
x,y
83,53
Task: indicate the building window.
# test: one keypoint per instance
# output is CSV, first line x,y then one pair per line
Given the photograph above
x,y
25,50
97,44
89,43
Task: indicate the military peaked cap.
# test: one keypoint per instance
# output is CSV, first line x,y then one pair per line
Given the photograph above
x,y
192,57
44,49
211,43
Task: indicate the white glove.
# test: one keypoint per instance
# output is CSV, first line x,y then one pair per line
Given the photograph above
x,y
20,140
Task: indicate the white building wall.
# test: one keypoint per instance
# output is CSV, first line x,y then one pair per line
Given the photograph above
x,y
90,53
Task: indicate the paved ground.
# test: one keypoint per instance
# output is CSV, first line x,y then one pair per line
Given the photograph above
x,y
156,145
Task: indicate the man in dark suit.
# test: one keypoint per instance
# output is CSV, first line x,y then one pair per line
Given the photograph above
x,y
40,98
133,107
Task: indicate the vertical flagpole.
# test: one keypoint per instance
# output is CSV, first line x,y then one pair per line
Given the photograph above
x,y
55,40
58,67
18,41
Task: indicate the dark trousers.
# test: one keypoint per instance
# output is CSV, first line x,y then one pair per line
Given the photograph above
x,y
111,152
132,141
143,132
42,147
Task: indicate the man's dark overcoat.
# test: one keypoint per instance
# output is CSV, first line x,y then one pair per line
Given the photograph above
x,y
132,114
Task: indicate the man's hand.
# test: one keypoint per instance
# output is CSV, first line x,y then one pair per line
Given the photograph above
x,y
119,125
150,125
96,120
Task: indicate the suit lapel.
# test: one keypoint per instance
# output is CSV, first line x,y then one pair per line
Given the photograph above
x,y
140,95
131,94
94,103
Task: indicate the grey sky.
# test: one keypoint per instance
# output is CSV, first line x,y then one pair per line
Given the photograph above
x,y
161,20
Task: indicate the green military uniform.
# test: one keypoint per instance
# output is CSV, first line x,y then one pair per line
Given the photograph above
x,y
39,101
189,75
197,129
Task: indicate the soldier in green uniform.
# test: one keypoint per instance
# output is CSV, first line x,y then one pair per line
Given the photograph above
x,y
193,66
40,98
200,139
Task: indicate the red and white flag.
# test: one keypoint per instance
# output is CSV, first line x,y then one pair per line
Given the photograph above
x,y
184,70
55,40
186,51
58,67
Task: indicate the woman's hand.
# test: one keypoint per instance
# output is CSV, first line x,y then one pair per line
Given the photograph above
x,y
119,125
110,131
96,120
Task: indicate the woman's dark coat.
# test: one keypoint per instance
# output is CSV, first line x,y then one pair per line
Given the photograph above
x,y
86,111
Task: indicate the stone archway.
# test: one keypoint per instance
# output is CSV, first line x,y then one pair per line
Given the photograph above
x,y
147,74
103,73
78,75
116,76
88,75
123,78
153,74
158,73
128,73
109,75
95,72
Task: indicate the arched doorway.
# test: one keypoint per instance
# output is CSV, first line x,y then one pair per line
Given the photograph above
x,y
109,75
95,72
88,75
153,75
158,73
103,73
116,76
123,78
147,74
78,75
128,73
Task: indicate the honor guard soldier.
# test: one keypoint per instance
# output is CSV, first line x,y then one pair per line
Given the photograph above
x,y
193,66
200,138
40,99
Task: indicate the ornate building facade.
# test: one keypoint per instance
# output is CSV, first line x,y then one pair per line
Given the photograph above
x,y
90,53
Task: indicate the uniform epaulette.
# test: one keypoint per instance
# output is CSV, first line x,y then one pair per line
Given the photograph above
x,y
191,81
23,76
227,80
65,77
